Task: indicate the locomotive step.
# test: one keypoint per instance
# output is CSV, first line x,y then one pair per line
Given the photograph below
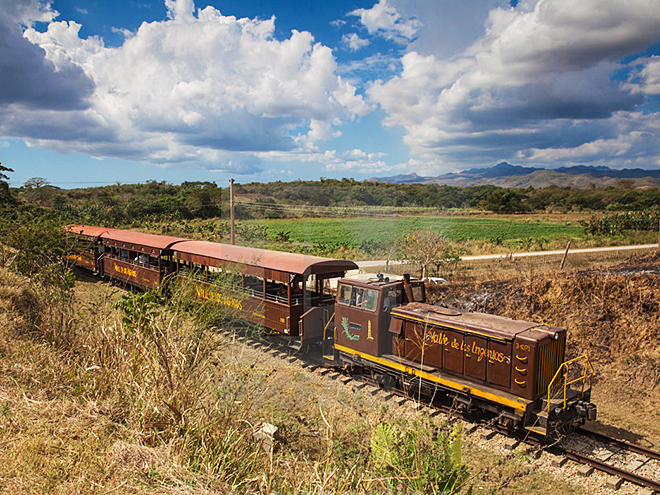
x,y
537,429
571,395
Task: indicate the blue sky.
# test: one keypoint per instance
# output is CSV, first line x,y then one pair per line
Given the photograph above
x,y
98,91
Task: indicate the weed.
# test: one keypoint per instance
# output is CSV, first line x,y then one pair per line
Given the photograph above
x,y
421,458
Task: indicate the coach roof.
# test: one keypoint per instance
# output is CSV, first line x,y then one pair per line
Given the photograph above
x,y
87,230
212,253
126,238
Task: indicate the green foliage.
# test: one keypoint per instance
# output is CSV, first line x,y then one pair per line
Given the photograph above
x,y
5,196
41,248
617,223
139,310
420,459
133,204
282,236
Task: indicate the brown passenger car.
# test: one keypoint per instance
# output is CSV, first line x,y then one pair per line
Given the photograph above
x,y
287,293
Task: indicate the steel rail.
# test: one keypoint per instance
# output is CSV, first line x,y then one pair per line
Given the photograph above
x,y
608,468
638,449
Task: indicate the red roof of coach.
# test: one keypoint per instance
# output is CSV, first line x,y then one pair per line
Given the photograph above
x,y
263,258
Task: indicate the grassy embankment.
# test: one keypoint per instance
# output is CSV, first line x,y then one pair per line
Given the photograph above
x,y
87,404
102,392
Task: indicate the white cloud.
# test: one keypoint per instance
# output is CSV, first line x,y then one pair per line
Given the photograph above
x,y
384,20
27,78
540,71
647,78
190,88
356,160
353,42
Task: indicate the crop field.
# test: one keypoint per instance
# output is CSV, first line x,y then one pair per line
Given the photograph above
x,y
384,229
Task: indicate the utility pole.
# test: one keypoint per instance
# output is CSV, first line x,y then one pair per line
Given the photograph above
x,y
563,261
231,209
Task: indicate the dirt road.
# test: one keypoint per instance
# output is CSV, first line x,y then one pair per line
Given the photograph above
x,y
373,263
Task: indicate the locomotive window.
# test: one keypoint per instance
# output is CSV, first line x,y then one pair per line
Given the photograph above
x,y
344,294
392,298
357,298
370,300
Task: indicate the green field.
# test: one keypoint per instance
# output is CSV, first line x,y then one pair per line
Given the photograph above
x,y
383,230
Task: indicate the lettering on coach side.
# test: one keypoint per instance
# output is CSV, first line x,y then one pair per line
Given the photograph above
x,y
125,271
219,298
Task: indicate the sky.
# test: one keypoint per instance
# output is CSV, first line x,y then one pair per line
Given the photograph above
x,y
96,92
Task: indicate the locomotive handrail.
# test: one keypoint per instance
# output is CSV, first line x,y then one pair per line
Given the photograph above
x,y
326,325
583,378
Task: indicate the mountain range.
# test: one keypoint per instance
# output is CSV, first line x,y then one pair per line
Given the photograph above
x,y
513,176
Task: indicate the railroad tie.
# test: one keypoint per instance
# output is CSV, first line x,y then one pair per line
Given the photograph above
x,y
488,434
635,464
511,443
585,470
373,390
613,482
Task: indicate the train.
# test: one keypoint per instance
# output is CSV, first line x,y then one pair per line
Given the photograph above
x,y
514,373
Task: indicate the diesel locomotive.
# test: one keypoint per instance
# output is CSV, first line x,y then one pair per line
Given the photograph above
x,y
515,372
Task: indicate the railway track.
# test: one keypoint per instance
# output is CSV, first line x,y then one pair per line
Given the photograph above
x,y
621,460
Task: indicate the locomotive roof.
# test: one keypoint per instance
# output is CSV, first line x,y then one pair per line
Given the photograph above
x,y
497,326
273,260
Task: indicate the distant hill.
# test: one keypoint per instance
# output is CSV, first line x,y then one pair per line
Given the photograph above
x,y
513,176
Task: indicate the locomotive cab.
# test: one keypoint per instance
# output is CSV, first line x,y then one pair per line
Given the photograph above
x,y
364,306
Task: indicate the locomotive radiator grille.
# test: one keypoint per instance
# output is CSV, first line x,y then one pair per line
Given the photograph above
x,y
551,356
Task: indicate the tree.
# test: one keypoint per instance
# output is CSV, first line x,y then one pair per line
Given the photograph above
x,y
5,196
38,190
427,247
36,183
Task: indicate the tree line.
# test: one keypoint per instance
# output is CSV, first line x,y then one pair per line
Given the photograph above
x,y
120,203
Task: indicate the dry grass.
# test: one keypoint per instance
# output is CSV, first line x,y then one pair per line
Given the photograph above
x,y
93,403
89,405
